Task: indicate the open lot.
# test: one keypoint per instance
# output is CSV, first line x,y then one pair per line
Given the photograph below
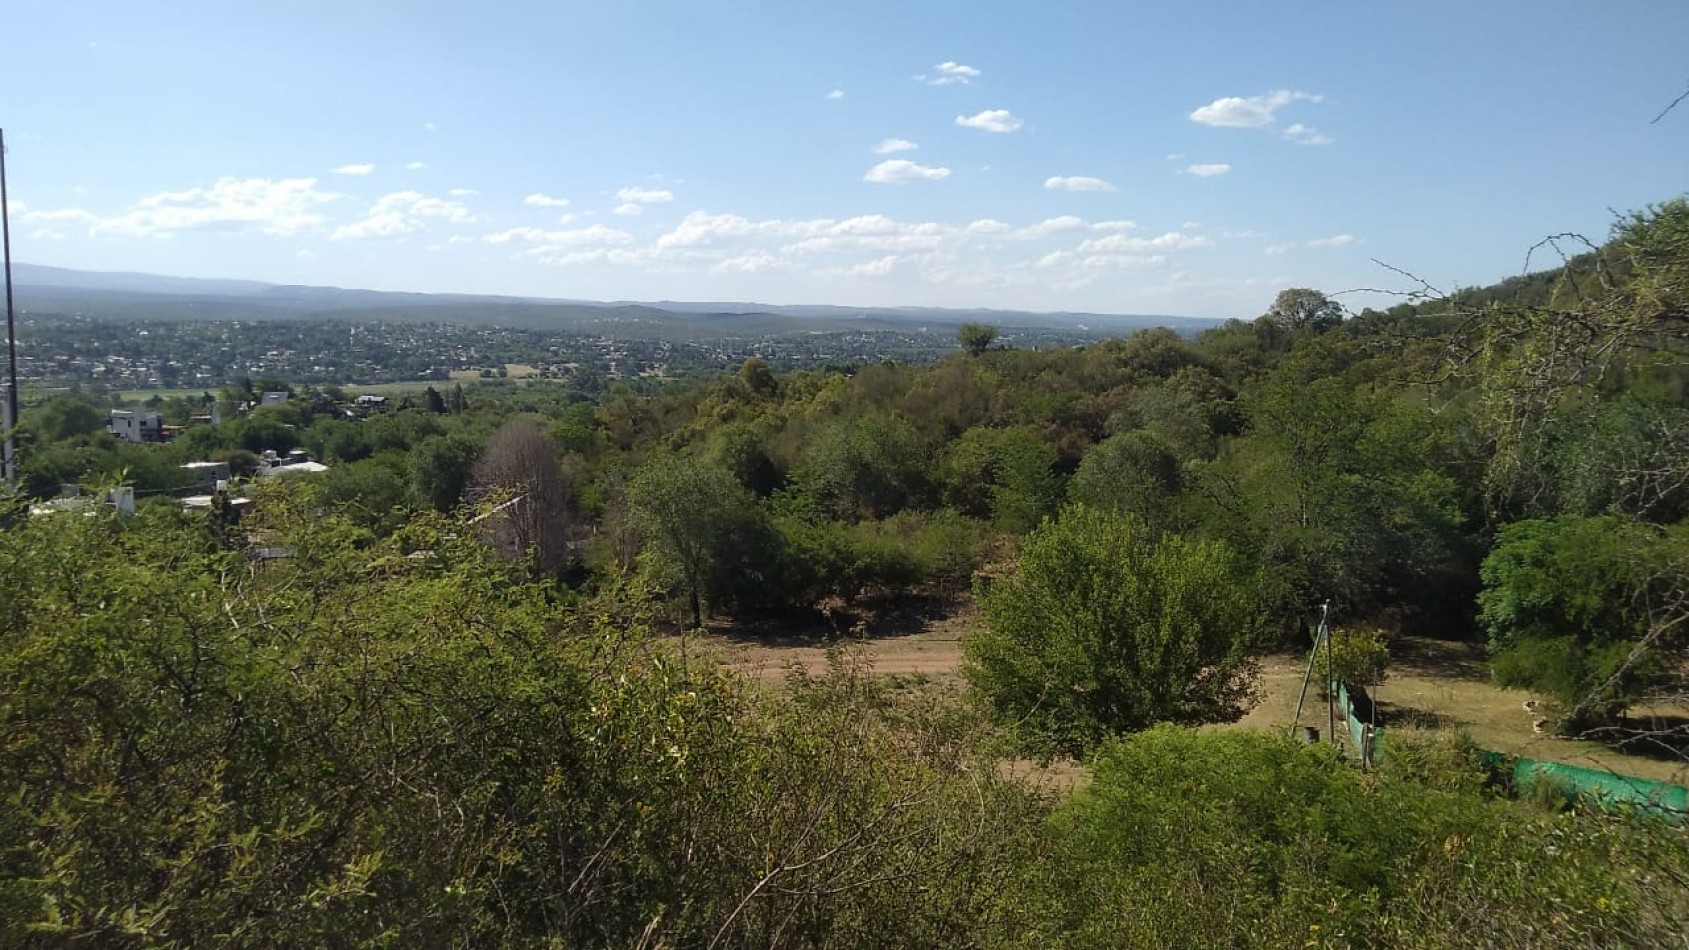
x,y
1432,683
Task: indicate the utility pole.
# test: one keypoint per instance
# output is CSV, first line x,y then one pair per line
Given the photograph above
x,y
9,461
1330,673
1322,635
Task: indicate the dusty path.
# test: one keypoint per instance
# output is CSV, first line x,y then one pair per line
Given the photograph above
x,y
922,638
1436,683
1432,683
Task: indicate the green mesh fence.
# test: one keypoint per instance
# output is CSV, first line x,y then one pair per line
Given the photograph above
x,y
1609,790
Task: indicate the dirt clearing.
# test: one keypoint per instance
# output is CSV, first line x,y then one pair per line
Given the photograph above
x,y
1432,683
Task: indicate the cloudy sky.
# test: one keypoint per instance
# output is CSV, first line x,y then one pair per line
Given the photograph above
x,y
1173,158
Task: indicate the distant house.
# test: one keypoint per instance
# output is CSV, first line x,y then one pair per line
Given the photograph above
x,y
273,399
136,425
122,498
295,462
206,474
370,402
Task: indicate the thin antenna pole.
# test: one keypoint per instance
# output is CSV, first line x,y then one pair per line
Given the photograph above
x,y
1330,671
10,459
1308,674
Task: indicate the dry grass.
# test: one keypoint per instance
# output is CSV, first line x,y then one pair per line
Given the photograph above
x,y
1432,683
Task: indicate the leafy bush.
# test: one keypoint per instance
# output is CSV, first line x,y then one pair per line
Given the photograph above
x,y
1204,839
1358,657
1568,604
1103,628
401,742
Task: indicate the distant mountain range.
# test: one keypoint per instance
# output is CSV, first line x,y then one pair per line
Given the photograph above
x,y
116,295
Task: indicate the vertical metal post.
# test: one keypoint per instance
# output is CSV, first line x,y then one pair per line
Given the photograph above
x,y
1330,671
1320,635
10,459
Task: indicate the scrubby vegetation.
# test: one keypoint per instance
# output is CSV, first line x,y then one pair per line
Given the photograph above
x,y
424,698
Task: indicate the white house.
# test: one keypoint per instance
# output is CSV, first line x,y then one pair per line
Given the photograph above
x,y
136,425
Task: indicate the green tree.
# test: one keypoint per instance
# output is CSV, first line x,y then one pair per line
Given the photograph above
x,y
67,416
869,467
976,338
1132,472
1006,474
737,447
1582,609
1302,308
702,521
757,377
440,469
1104,629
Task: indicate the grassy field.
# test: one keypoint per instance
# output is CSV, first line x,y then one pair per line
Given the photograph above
x,y
1432,683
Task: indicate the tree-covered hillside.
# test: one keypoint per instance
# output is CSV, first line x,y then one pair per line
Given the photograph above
x,y
422,698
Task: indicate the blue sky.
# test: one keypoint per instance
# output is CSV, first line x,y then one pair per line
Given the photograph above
x,y
1175,158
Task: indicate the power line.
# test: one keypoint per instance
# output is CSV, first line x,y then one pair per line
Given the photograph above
x,y
9,461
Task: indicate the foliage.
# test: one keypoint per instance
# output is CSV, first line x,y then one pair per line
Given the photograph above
x,y
700,522
404,744
1131,472
440,469
1301,308
871,467
520,470
1104,628
1571,606
1005,474
1187,839
976,338
1359,657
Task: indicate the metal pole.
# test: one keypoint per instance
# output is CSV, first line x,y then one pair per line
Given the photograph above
x,y
1330,671
10,459
1308,674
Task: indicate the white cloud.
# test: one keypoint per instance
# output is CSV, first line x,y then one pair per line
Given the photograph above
x,y
592,244
59,216
892,146
1248,112
878,267
1190,225
951,73
644,196
1307,135
276,207
1122,244
989,226
1120,261
991,120
1056,225
358,170
758,263
629,210
1076,183
1208,170
596,235
834,95
401,213
901,171
542,200
416,166
429,127
463,192
1340,240
701,229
